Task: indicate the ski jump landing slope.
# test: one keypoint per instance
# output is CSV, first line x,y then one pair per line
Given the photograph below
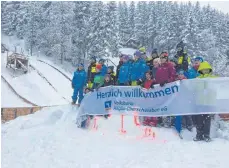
x,y
33,87
50,139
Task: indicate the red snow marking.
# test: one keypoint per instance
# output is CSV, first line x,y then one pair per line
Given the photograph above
x,y
95,126
123,131
136,119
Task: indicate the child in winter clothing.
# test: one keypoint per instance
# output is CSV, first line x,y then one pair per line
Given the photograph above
x,y
99,78
187,119
156,64
87,90
78,83
91,72
104,67
204,120
148,83
108,81
124,71
110,71
192,72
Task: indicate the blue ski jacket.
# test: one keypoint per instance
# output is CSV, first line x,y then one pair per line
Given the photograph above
x,y
124,73
138,70
192,73
79,79
104,70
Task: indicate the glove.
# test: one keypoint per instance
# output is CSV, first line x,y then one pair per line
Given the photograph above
x,y
152,86
129,83
139,82
163,83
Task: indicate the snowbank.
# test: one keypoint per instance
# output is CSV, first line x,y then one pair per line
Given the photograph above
x,y
49,138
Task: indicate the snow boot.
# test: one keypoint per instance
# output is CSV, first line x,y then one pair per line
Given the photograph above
x,y
198,138
189,128
106,116
207,139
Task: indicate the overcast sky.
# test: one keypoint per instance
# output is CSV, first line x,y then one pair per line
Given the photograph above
x,y
220,5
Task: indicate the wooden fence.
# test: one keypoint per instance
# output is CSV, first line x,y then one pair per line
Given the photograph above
x,y
8,114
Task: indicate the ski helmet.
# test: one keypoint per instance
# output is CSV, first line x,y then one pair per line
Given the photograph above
x,y
199,58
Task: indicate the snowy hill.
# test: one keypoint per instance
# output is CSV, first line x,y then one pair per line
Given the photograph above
x,y
34,87
50,139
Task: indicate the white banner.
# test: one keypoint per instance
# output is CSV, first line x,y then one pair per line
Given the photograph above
x,y
187,97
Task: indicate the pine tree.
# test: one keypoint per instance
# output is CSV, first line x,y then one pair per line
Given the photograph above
x,y
124,28
111,28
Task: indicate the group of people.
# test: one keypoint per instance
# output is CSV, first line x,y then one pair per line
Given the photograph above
x,y
147,71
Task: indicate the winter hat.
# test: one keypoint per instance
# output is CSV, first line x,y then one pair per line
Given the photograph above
x,y
81,65
93,58
138,53
142,50
199,58
126,57
164,54
149,72
180,46
154,51
102,60
99,66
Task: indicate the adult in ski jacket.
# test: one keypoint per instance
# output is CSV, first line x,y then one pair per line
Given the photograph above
x,y
78,83
203,124
119,65
104,67
183,60
91,72
166,72
156,64
124,72
138,69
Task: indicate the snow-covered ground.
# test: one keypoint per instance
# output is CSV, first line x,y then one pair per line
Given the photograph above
x,y
59,82
9,99
50,139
